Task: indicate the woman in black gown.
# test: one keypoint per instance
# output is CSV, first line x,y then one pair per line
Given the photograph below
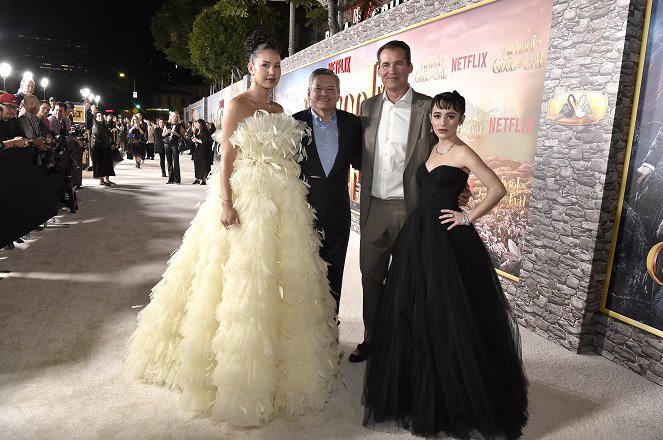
x,y
102,153
137,137
446,358
202,152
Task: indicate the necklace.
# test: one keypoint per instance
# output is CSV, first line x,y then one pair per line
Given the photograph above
x,y
445,151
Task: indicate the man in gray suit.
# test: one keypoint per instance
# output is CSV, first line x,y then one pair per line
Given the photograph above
x,y
397,140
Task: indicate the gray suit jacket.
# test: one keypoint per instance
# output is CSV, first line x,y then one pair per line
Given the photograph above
x,y
419,143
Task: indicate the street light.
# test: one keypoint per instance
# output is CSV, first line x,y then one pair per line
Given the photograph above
x,y
27,75
90,96
85,92
5,70
134,94
44,84
97,99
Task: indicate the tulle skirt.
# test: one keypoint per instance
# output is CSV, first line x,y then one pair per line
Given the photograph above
x,y
242,322
446,358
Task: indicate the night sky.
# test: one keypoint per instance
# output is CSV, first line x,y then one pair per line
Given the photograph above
x,y
119,39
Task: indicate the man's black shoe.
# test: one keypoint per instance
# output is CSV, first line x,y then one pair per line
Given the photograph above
x,y
361,353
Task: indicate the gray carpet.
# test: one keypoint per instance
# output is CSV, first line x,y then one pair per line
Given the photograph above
x,y
68,305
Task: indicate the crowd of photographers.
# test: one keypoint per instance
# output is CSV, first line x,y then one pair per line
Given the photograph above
x,y
46,129
42,135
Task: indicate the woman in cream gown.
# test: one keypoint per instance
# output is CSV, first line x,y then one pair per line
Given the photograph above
x,y
242,322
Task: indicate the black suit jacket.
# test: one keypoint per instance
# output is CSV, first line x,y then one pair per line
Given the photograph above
x,y
329,194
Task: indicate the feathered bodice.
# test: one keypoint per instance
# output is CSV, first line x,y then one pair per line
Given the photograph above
x,y
274,139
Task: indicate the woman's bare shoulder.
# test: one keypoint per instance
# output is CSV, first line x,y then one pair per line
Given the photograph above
x,y
240,107
275,107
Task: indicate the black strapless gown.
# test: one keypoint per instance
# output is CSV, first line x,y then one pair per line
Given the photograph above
x,y
446,356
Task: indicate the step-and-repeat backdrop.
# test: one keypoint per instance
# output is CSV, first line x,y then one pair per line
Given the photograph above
x,y
494,54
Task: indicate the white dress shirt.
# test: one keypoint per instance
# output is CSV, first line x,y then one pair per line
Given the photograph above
x,y
390,148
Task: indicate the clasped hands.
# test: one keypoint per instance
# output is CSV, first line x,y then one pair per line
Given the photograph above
x,y
17,142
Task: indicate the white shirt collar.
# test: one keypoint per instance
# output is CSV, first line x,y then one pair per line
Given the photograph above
x,y
407,98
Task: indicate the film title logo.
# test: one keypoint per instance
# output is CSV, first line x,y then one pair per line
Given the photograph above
x,y
517,55
472,128
518,193
431,69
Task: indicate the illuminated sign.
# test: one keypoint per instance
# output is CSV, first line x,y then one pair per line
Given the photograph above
x,y
79,114
372,12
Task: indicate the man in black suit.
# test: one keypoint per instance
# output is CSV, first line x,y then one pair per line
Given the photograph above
x,y
336,144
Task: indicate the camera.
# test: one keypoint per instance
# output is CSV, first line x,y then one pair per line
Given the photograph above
x,y
59,159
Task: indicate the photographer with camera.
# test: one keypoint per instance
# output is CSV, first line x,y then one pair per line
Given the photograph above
x,y
102,150
60,126
11,134
57,119
42,113
31,124
29,194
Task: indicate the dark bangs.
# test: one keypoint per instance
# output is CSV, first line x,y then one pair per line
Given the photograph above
x,y
450,100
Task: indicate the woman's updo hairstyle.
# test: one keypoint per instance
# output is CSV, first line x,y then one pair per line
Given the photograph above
x,y
450,100
257,42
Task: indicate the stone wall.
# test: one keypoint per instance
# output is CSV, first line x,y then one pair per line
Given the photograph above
x,y
595,46
576,186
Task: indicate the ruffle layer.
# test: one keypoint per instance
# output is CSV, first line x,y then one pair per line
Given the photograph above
x,y
242,321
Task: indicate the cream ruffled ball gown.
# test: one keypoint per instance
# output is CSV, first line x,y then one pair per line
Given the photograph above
x,y
242,321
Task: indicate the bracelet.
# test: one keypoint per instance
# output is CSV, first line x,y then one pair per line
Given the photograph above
x,y
226,201
466,219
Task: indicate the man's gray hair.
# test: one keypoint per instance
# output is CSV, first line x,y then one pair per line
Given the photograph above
x,y
323,71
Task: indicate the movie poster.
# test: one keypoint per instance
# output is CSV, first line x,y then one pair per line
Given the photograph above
x,y
494,54
633,291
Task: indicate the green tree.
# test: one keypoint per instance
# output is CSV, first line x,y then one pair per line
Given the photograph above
x,y
171,26
216,42
207,36
332,7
